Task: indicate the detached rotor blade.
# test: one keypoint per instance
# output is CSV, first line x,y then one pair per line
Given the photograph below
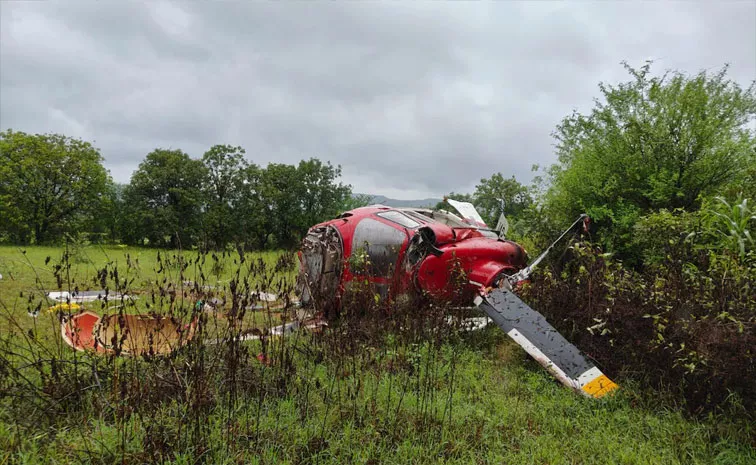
x,y
533,333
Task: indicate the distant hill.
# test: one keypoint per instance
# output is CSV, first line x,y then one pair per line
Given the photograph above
x,y
420,203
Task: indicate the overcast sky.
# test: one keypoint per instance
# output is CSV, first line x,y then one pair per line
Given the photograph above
x,y
411,99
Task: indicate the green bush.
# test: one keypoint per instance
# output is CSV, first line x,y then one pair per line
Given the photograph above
x,y
685,323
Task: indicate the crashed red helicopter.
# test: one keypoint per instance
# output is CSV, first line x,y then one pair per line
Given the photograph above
x,y
414,252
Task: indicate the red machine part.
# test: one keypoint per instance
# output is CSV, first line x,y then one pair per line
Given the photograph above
x,y
389,233
482,259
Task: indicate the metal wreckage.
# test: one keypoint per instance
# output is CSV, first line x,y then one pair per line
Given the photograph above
x,y
410,254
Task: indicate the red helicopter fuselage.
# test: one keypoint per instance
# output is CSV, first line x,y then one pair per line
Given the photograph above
x,y
403,252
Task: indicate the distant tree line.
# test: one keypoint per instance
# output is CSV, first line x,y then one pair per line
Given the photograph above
x,y
54,187
651,144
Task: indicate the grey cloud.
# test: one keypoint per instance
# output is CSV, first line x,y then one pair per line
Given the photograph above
x,y
412,99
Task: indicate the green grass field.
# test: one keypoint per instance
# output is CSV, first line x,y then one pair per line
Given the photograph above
x,y
331,398
30,272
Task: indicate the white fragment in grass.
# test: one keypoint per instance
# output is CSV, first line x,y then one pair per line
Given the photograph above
x,y
264,296
85,296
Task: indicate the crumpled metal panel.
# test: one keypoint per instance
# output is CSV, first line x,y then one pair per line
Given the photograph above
x,y
321,267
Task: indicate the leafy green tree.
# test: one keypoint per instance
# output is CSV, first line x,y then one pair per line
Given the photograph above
x,y
280,204
651,143
105,226
745,183
163,202
488,197
225,166
50,185
252,211
321,197
491,191
356,201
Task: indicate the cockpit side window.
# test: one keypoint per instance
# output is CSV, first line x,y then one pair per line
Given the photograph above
x,y
419,216
399,218
375,248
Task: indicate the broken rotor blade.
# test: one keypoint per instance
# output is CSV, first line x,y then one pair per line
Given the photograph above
x,y
533,333
526,272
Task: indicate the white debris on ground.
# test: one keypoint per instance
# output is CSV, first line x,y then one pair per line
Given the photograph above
x,y
472,324
84,296
264,296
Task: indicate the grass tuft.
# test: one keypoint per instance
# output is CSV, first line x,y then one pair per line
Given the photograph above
x,y
379,387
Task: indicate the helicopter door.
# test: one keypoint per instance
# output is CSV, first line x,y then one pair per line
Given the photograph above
x,y
375,249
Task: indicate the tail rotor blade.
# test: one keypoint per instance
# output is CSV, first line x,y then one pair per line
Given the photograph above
x,y
549,348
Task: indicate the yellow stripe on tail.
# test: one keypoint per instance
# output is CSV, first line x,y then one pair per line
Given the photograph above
x,y
599,387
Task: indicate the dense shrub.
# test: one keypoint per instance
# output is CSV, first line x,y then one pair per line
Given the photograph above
x,y
686,322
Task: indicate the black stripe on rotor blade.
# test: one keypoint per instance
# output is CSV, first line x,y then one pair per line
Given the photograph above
x,y
509,312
